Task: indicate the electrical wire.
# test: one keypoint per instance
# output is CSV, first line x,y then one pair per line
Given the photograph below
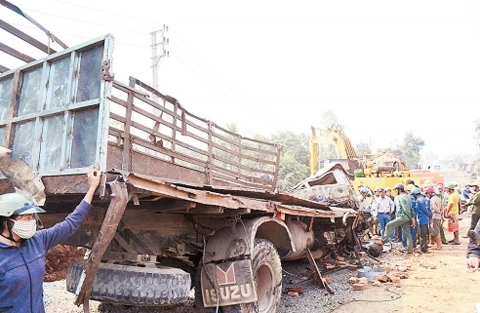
x,y
79,36
85,21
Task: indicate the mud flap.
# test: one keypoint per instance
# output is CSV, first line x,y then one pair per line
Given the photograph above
x,y
228,283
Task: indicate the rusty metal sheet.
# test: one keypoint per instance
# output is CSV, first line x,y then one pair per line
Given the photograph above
x,y
23,177
228,283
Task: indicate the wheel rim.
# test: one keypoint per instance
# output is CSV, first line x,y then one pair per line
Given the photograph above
x,y
265,287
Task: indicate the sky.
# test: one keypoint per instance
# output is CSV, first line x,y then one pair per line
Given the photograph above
x,y
383,67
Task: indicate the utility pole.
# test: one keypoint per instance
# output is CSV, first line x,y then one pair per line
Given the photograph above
x,y
156,57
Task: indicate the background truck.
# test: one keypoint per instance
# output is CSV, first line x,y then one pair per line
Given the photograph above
x,y
182,203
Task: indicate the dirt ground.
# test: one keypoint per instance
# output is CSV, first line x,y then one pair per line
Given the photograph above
x,y
57,260
438,282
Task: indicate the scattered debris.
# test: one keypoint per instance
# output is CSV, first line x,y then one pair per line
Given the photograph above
x,y
294,291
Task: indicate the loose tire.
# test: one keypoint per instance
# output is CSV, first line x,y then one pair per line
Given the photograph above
x,y
267,272
133,285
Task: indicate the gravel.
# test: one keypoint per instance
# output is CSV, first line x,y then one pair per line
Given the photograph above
x,y
313,299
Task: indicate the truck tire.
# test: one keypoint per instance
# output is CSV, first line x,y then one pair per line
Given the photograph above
x,y
133,285
267,272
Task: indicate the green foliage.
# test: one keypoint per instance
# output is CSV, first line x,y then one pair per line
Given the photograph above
x,y
410,148
362,148
294,163
294,144
290,171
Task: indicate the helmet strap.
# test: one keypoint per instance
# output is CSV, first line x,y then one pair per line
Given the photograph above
x,y
10,234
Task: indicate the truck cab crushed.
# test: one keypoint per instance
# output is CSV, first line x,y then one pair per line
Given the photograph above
x,y
183,202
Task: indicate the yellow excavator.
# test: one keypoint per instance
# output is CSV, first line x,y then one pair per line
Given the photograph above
x,y
373,170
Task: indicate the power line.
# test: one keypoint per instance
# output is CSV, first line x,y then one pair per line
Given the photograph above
x,y
203,78
80,36
201,58
87,22
106,11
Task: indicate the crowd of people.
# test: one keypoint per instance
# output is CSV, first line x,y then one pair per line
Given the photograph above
x,y
419,217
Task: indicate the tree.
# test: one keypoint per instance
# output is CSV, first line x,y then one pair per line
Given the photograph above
x,y
292,143
290,171
330,120
294,162
362,149
411,149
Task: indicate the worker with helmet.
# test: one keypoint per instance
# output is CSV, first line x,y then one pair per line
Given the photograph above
x,y
23,248
366,201
451,213
475,203
436,222
413,229
424,215
427,183
405,218
473,248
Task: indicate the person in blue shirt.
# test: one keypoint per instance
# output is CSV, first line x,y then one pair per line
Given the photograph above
x,y
23,248
423,215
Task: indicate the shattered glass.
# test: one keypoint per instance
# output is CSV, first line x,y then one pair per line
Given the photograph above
x,y
57,95
23,141
5,92
51,146
31,92
84,144
89,81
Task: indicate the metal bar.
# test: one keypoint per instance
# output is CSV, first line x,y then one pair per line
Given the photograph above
x,y
317,273
118,203
178,155
19,11
127,141
11,108
208,167
27,38
15,53
54,111
3,69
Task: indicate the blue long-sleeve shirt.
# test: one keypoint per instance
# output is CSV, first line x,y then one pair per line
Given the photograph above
x,y
422,211
22,269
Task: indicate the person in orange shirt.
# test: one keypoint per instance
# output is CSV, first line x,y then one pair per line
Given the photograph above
x,y
451,213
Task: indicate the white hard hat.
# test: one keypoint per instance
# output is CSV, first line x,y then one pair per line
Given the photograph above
x,y
17,204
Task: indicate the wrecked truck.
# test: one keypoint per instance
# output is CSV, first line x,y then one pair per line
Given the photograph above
x,y
183,203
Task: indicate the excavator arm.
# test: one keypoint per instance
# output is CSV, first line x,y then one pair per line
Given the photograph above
x,y
336,137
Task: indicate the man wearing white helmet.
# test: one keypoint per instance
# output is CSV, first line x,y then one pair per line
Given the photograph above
x,y
23,248
366,201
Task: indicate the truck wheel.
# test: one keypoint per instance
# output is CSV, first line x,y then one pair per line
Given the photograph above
x,y
133,285
267,272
